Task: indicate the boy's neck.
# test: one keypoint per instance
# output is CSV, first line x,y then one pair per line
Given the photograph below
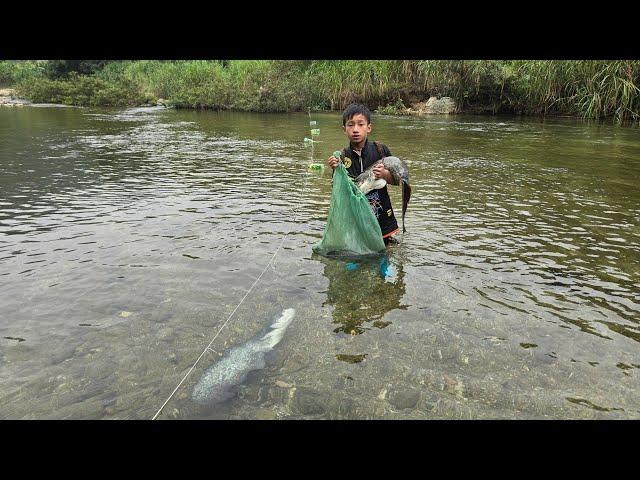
x,y
358,146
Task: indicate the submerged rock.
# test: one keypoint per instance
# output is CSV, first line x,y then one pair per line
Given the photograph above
x,y
405,398
309,402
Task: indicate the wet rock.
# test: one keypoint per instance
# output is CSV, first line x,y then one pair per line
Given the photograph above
x,y
404,398
429,404
173,358
347,408
343,382
543,357
165,333
62,354
88,410
379,411
265,414
453,386
294,362
127,402
309,402
77,394
253,394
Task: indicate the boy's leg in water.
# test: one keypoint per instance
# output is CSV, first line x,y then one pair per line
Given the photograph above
x,y
390,240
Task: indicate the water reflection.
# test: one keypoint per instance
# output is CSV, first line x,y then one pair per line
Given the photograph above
x,y
362,290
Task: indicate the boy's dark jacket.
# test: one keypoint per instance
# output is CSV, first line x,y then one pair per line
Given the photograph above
x,y
378,199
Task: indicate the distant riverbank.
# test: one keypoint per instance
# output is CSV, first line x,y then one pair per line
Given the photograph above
x,y
588,89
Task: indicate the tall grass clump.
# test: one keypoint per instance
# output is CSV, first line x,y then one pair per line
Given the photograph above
x,y
190,84
340,82
587,88
609,89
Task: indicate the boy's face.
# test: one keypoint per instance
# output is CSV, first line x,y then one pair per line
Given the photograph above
x,y
357,128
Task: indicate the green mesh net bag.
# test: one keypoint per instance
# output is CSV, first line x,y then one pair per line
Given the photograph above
x,y
352,228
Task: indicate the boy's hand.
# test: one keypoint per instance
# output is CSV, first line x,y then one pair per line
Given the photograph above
x,y
333,162
380,172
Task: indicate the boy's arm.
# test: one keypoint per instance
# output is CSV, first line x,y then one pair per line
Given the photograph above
x,y
383,172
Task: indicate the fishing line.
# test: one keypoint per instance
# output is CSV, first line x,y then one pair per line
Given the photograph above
x,y
208,347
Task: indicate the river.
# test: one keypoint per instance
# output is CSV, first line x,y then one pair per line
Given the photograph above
x,y
129,239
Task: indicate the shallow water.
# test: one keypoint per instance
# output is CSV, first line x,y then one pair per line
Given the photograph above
x,y
129,237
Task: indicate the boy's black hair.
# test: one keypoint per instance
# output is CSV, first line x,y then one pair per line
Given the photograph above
x,y
355,109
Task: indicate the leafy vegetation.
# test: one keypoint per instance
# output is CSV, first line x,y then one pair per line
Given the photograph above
x,y
587,88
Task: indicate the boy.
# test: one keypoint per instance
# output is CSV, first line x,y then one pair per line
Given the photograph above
x,y
360,155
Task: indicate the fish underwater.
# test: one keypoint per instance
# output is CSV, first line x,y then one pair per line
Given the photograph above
x,y
367,181
216,382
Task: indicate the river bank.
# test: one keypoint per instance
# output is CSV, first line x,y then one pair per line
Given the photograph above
x,y
591,89
445,105
433,106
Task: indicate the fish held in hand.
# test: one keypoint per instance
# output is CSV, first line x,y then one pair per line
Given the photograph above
x,y
399,171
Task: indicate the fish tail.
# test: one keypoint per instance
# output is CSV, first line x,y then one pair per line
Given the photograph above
x,y
406,195
279,326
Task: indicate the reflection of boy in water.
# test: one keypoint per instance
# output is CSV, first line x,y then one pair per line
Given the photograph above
x,y
360,155
362,292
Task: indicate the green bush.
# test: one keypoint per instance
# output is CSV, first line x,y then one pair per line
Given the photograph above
x,y
396,108
82,90
55,69
16,71
6,73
